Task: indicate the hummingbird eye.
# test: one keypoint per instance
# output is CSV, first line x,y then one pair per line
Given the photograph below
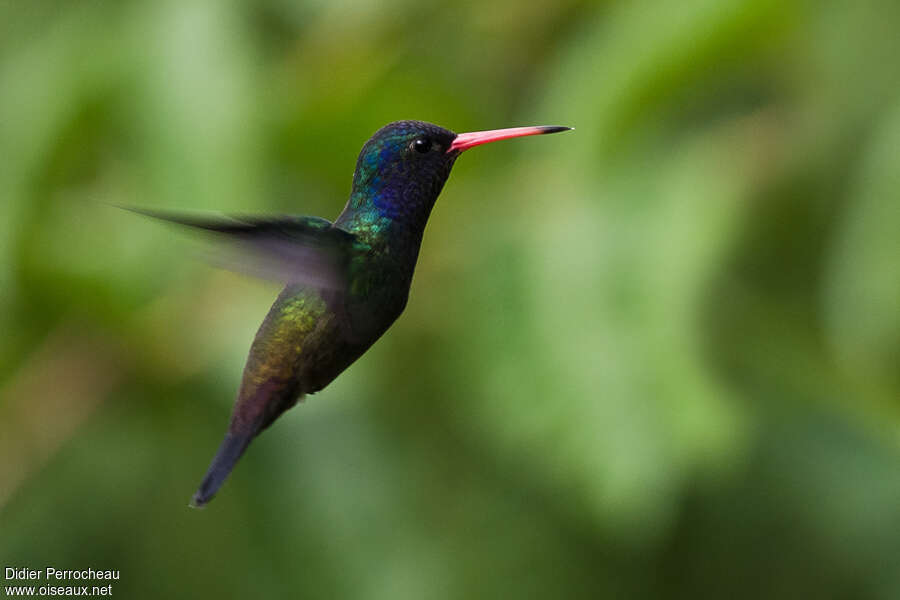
x,y
421,145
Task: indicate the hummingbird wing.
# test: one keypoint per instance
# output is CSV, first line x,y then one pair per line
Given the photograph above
x,y
290,249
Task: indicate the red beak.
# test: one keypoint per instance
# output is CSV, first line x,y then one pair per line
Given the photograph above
x,y
463,141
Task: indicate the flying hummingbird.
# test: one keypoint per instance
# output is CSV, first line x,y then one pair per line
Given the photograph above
x,y
347,281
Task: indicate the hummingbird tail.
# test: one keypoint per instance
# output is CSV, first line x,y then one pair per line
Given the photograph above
x,y
230,451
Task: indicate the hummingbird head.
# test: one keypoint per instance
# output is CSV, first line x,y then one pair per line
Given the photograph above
x,y
403,167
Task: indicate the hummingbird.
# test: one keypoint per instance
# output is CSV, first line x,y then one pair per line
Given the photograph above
x,y
346,281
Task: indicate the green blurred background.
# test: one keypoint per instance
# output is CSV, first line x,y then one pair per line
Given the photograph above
x,y
655,357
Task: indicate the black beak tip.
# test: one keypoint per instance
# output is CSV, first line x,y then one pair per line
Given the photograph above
x,y
555,129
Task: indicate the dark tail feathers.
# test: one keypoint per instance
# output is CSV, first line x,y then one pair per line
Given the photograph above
x,y
230,451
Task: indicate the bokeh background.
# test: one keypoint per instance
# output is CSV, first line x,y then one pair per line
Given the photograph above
x,y
656,357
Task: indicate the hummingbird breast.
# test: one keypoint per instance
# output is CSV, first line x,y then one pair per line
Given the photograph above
x,y
311,335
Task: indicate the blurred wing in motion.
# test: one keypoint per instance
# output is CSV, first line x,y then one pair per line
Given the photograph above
x,y
288,249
